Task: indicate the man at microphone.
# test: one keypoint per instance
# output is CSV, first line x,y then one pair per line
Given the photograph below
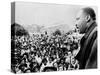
x,y
86,23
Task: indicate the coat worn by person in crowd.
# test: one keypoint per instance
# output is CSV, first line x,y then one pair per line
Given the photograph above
x,y
87,55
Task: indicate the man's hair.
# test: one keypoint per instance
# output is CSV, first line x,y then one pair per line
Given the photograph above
x,y
90,11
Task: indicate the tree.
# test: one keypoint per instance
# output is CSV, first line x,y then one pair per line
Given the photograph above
x,y
57,32
18,30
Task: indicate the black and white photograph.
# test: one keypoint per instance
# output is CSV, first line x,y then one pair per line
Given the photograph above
x,y
48,37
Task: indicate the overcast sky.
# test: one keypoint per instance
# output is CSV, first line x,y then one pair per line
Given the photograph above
x,y
28,13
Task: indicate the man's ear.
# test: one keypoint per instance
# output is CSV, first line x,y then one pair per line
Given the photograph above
x,y
88,18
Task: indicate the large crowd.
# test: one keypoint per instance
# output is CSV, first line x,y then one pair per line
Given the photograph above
x,y
39,53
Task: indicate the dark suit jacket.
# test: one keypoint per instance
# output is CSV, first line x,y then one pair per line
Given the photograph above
x,y
87,55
